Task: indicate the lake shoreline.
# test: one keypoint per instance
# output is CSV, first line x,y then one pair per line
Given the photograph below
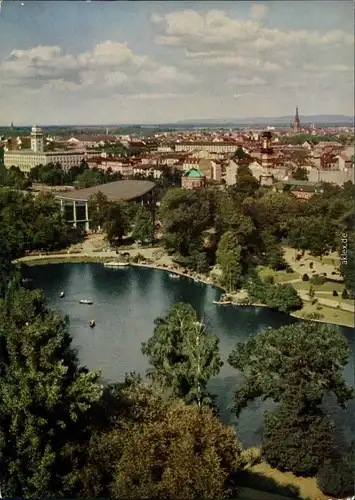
x,y
81,258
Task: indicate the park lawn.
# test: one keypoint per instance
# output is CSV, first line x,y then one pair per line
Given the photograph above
x,y
338,299
327,260
307,486
330,314
278,275
326,287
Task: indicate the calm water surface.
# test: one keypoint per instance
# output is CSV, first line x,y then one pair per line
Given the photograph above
x,y
125,304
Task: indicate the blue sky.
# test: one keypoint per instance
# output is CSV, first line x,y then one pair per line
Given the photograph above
x,y
130,62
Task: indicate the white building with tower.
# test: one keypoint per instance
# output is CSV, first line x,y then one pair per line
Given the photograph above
x,y
26,159
37,142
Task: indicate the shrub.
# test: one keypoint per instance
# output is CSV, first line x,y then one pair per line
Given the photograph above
x,y
311,292
269,279
336,478
345,294
324,274
314,315
319,307
311,265
305,277
335,293
314,301
289,269
318,279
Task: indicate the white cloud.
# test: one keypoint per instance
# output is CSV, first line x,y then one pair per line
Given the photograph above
x,y
198,32
194,66
108,65
253,82
258,10
153,95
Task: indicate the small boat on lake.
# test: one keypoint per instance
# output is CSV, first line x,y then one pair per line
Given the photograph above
x,y
174,276
85,301
116,264
62,295
92,323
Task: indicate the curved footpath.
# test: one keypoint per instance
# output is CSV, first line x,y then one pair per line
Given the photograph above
x,y
166,264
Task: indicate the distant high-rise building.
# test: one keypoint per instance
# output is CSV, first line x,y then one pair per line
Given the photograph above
x,y
296,123
37,143
12,125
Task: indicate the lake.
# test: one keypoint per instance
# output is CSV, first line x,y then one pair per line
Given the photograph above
x,y
125,303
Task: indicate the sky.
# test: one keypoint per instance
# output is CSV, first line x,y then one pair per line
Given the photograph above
x,y
108,62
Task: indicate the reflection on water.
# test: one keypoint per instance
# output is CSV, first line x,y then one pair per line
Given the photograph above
x,y
126,302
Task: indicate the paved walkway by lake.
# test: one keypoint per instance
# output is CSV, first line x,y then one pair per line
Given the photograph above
x,y
327,302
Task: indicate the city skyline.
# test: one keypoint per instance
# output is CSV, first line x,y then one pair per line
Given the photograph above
x,y
145,62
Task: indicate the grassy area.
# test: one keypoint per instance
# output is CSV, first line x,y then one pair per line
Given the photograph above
x,y
278,275
326,287
307,486
330,314
327,260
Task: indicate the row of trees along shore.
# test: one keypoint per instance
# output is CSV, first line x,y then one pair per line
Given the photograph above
x,y
66,433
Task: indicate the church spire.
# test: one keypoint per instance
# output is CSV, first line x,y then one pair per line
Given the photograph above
x,y
296,123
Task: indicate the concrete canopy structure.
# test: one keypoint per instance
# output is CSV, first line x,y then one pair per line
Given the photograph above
x,y
115,191
74,204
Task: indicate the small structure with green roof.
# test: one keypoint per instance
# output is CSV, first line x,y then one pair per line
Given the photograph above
x,y
193,179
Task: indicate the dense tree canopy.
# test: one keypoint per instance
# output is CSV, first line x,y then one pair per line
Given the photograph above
x,y
163,449
31,223
271,363
143,226
44,396
295,366
183,355
185,215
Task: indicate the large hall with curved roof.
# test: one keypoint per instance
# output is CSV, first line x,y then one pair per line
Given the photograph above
x,y
74,204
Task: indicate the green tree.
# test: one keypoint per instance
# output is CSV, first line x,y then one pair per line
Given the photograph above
x,y
273,252
312,233
117,221
240,154
296,366
48,230
184,215
336,476
300,362
143,226
44,399
300,174
296,439
183,355
98,207
164,449
16,179
229,259
246,182
283,298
